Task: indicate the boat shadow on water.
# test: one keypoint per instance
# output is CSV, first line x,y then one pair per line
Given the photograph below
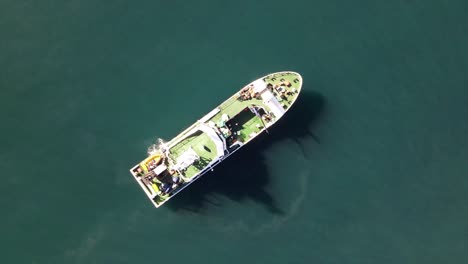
x,y
244,175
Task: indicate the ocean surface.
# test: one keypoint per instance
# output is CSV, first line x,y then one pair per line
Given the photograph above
x,y
370,165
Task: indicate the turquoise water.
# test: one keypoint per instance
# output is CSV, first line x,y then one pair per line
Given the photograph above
x,y
369,167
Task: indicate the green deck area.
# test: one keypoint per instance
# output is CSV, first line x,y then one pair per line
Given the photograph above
x,y
202,144
276,80
233,106
250,127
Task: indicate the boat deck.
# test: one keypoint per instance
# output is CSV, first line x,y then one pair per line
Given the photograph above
x,y
202,144
280,90
233,106
277,79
